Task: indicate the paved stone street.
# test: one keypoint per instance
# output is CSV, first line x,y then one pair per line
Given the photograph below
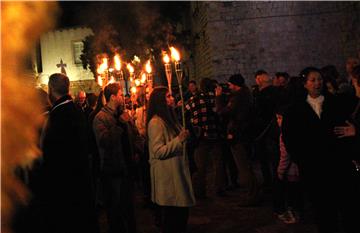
x,y
223,215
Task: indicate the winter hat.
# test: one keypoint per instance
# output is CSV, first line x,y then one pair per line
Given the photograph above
x,y
237,79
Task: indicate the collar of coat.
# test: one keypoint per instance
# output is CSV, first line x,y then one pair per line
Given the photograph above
x,y
63,100
109,110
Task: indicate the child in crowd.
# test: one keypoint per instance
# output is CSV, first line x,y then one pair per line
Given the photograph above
x,y
288,202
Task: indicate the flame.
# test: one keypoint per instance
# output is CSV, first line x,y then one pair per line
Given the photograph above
x,y
137,82
136,59
130,68
175,55
133,90
112,79
148,67
117,62
99,81
103,66
166,58
143,78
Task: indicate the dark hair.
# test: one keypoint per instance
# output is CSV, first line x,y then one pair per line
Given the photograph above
x,y
59,83
330,75
282,74
91,99
305,73
157,106
193,82
237,79
356,74
260,72
99,105
206,85
111,89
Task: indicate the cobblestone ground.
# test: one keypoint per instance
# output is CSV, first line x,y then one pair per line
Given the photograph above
x,y
223,215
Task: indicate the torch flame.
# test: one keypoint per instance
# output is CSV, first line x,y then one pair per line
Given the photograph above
x,y
166,59
130,68
148,67
143,78
175,55
137,82
99,81
103,66
133,90
136,59
117,62
112,79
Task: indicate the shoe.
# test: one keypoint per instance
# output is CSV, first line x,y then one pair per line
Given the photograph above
x,y
287,217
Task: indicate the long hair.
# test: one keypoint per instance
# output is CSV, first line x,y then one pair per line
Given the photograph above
x,y
158,106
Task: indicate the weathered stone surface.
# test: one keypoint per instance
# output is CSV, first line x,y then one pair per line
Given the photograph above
x,y
276,36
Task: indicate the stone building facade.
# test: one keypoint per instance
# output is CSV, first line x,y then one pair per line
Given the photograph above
x,y
231,37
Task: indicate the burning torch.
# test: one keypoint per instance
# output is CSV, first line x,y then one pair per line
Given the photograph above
x,y
168,71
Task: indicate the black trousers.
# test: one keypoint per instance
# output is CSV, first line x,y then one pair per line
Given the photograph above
x,y
171,219
287,194
336,198
119,204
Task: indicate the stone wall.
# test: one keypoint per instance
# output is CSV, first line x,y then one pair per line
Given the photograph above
x,y
232,37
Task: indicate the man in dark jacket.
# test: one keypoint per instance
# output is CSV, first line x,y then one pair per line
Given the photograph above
x,y
112,137
238,112
66,183
266,101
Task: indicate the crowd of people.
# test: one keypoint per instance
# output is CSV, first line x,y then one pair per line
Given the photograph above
x,y
303,131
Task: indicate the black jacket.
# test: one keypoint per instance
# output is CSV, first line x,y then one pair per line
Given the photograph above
x,y
65,160
310,140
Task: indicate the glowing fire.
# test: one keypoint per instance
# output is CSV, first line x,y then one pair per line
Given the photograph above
x,y
166,58
112,79
148,67
137,82
130,68
175,55
100,81
117,62
136,59
143,78
103,66
133,90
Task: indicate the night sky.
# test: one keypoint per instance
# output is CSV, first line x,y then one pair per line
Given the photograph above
x,y
92,13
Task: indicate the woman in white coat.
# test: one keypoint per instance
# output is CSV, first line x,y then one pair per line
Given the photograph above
x,y
171,187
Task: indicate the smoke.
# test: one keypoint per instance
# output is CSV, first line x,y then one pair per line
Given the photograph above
x,y
134,27
22,23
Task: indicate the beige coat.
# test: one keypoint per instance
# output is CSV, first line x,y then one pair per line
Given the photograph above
x,y
170,176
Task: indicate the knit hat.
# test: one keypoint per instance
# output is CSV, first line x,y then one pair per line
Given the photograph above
x,y
237,79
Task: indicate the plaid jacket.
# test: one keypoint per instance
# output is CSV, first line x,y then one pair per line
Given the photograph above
x,y
202,112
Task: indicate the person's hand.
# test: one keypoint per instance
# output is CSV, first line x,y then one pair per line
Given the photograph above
x,y
280,176
125,116
179,103
218,90
184,134
345,131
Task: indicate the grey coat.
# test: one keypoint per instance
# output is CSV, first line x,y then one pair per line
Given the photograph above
x,y
169,170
